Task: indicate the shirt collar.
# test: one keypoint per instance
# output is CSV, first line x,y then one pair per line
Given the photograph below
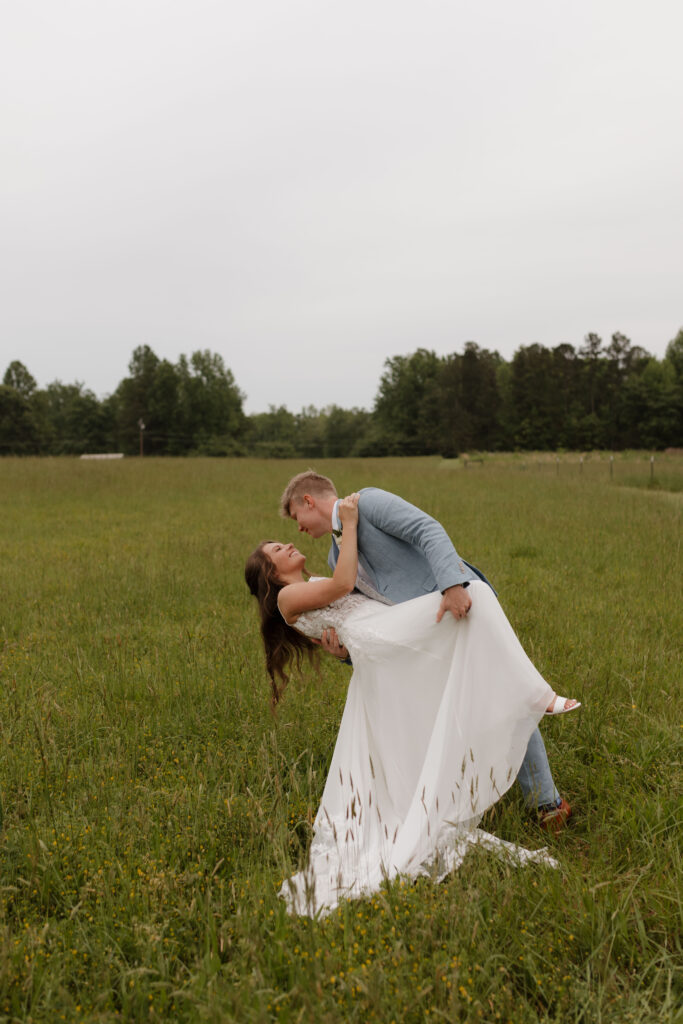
x,y
336,521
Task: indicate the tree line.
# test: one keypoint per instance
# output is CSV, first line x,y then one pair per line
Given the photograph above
x,y
613,396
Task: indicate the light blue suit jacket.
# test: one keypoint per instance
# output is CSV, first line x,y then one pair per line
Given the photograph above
x,y
405,552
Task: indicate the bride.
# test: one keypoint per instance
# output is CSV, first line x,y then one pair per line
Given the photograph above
x,y
435,727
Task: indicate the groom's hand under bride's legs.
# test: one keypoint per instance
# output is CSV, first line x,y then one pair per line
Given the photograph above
x,y
330,643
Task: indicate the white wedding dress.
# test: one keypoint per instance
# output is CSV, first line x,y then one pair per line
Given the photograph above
x,y
435,728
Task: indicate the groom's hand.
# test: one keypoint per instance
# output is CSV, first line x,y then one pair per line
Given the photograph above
x,y
455,600
330,643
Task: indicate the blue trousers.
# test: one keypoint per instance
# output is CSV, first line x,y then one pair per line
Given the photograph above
x,y
535,776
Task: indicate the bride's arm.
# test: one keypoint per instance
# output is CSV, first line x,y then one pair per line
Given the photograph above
x,y
303,597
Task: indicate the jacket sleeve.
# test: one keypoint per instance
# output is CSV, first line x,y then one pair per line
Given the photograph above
x,y
406,522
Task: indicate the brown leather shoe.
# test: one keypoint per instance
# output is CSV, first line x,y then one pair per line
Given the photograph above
x,y
553,819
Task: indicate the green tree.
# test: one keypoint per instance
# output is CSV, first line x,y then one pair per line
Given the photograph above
x,y
19,430
652,408
211,402
674,353
591,352
133,404
18,377
674,356
344,429
407,409
618,365
470,401
76,421
194,406
273,434
566,389
311,425
531,406
167,422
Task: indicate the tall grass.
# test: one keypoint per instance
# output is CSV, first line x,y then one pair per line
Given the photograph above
x,y
153,805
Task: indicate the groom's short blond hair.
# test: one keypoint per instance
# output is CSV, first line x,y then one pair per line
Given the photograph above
x,y
309,482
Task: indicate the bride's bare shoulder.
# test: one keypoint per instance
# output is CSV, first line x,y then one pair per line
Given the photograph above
x,y
286,601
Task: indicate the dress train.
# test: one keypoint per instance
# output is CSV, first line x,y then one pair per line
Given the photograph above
x,y
435,727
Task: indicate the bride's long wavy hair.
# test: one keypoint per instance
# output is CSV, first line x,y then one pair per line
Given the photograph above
x,y
283,644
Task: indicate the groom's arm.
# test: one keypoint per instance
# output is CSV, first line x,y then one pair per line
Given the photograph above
x,y
406,522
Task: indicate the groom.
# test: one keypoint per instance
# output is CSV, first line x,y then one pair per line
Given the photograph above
x,y
404,553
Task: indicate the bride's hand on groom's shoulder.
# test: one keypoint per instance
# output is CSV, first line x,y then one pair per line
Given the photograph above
x,y
348,509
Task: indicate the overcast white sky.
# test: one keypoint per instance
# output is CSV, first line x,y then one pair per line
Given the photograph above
x,y
309,187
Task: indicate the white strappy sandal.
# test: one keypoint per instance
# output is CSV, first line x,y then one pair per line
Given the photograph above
x,y
558,706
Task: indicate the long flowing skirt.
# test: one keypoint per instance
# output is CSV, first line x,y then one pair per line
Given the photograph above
x,y
435,728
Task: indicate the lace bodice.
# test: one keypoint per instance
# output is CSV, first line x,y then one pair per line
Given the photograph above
x,y
332,615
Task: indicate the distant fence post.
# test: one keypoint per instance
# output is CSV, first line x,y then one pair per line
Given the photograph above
x,y
557,464
652,469
581,464
611,466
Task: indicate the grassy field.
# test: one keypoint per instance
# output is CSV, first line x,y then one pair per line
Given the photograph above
x,y
152,804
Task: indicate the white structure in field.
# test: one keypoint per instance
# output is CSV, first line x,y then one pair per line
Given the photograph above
x,y
104,455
